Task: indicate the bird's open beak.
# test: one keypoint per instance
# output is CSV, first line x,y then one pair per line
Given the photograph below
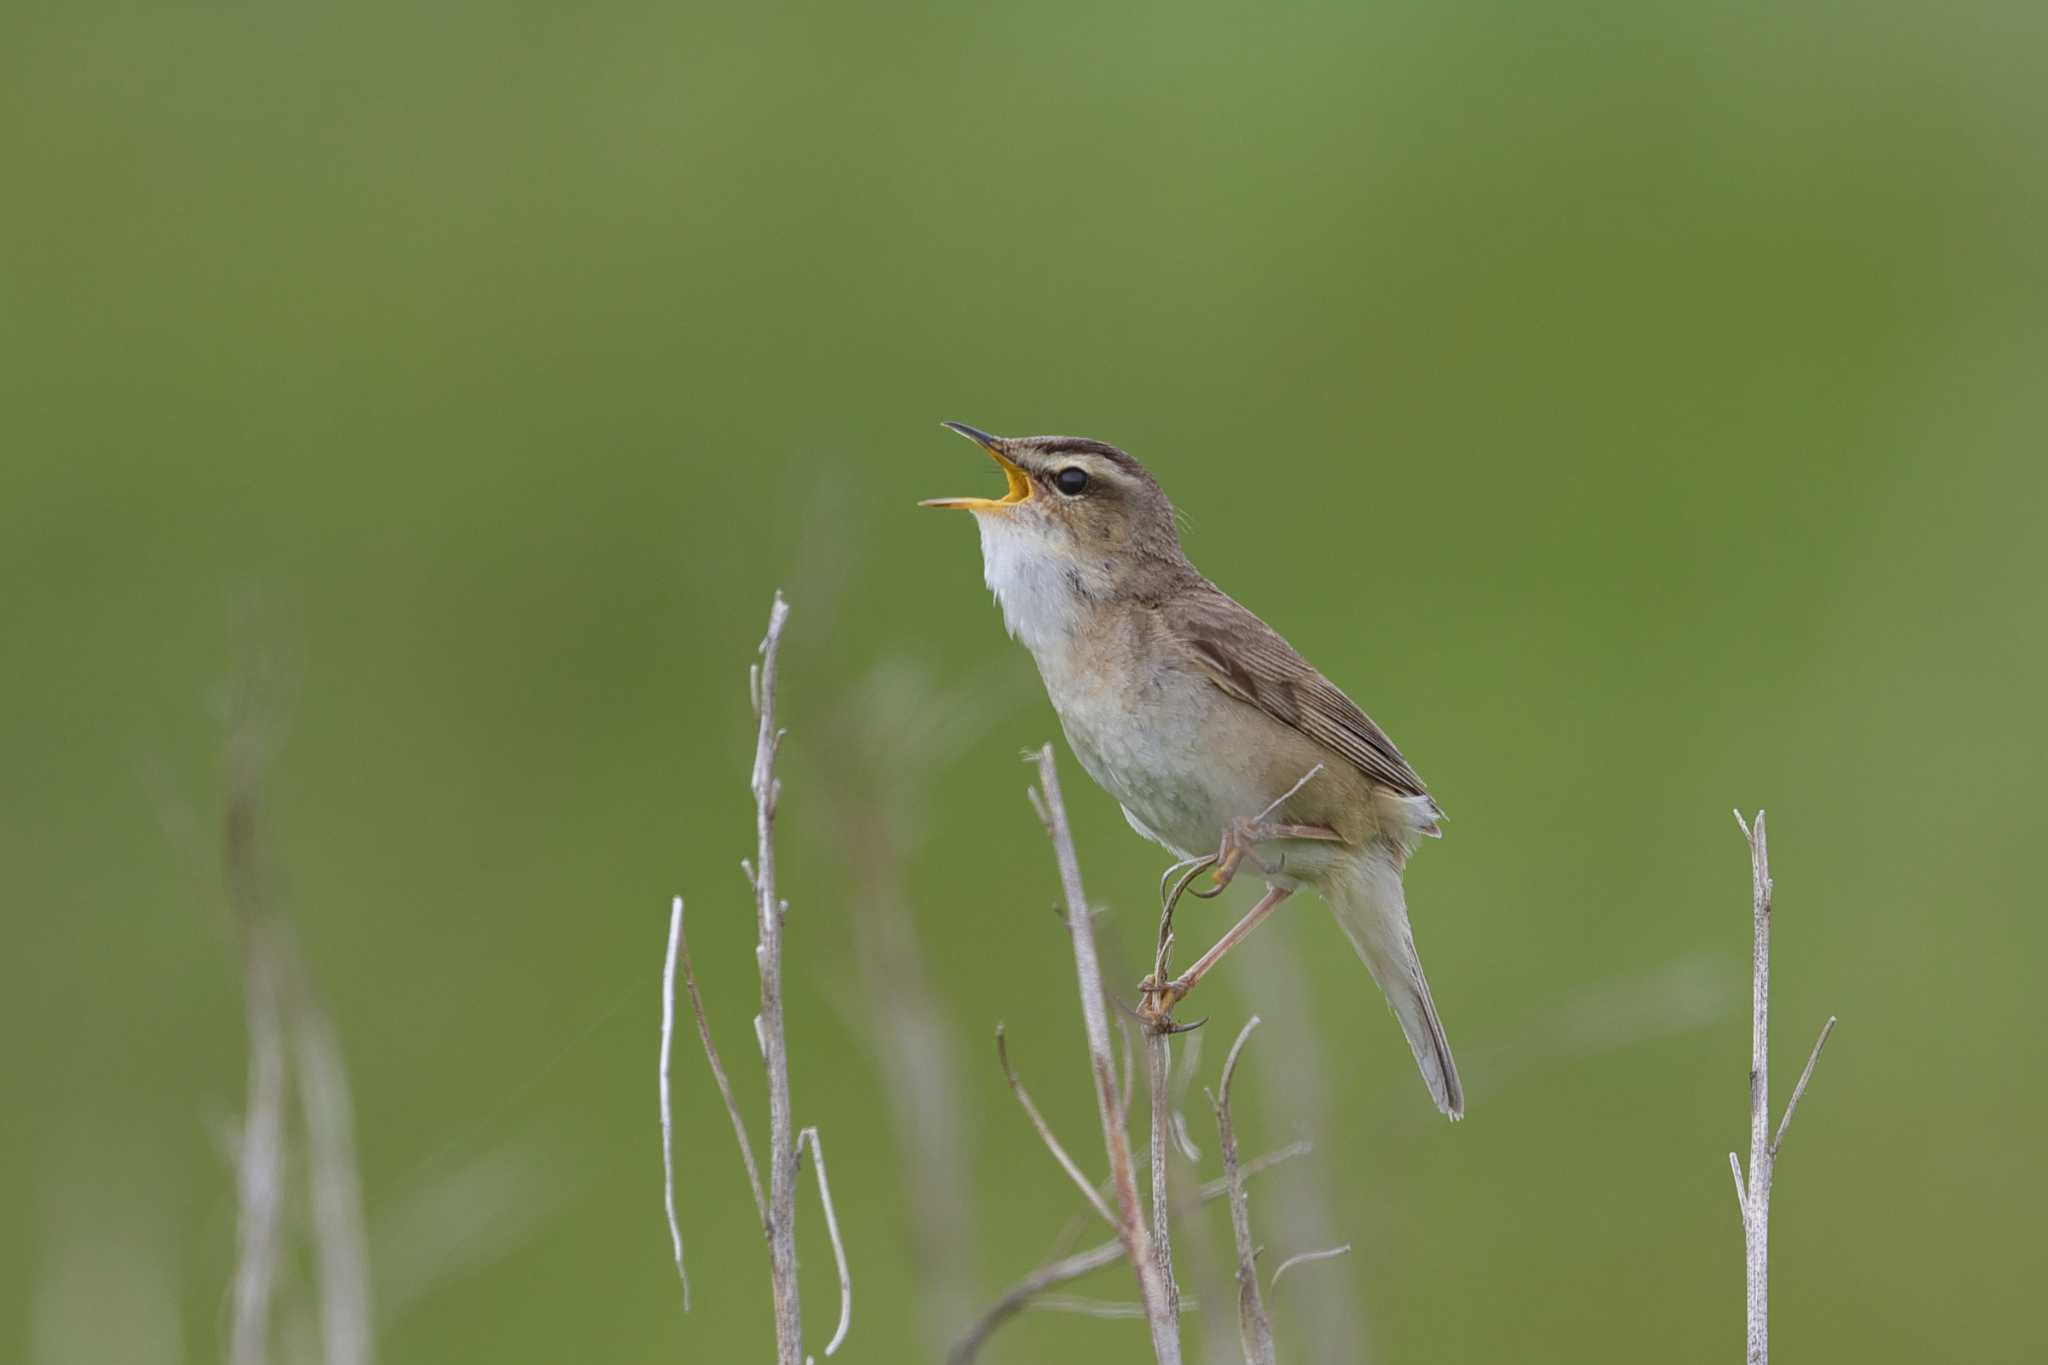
x,y
1020,482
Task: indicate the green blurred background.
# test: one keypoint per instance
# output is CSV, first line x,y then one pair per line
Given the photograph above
x,y
1638,408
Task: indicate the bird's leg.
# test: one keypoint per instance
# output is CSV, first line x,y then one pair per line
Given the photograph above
x,y
1241,836
1158,997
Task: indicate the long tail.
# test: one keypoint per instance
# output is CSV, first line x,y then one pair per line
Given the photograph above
x,y
1365,893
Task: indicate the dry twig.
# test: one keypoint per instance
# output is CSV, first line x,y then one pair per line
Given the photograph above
x,y
260,1153
1754,1195
681,946
1254,1328
1159,1067
768,913
778,1207
1308,1258
1153,1292
340,1243
668,1159
1046,1134
1026,1291
810,1135
1021,1294
1083,1306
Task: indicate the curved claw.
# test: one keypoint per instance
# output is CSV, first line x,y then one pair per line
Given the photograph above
x,y
1170,1027
1131,1010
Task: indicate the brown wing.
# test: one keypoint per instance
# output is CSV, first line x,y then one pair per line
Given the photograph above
x,y
1247,658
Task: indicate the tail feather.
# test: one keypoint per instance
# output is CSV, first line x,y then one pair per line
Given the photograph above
x,y
1367,899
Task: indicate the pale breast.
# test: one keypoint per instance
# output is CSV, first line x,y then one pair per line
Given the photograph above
x,y
1146,735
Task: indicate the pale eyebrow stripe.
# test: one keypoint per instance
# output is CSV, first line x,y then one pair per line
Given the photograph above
x,y
1098,466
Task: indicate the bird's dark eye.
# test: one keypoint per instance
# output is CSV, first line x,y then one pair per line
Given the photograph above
x,y
1070,480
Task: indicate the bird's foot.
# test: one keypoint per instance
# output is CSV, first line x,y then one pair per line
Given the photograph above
x,y
1240,837
1156,1000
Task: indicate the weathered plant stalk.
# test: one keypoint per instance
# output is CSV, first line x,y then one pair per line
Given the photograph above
x,y
1255,1329
1033,1287
1754,1195
1154,1295
769,912
1159,1068
777,1207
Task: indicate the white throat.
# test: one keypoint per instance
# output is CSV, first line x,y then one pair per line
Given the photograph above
x,y
1044,599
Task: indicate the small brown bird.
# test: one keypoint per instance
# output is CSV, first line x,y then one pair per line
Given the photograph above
x,y
1219,740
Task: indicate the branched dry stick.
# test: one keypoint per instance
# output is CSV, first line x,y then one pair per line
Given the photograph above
x,y
1026,1291
1253,1327
1754,1196
1153,1292
785,1145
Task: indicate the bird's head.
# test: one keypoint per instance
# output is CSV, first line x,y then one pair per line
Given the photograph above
x,y
1082,506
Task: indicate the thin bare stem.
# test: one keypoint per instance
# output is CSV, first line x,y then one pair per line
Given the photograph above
x,y
257,705
1069,1268
1307,1258
768,914
732,1106
1082,1306
1020,1294
810,1135
668,1160
1215,1189
777,1204
1756,1218
1047,1136
1755,1193
1159,1069
282,1008
1284,797
1152,1290
260,1154
1255,1330
340,1243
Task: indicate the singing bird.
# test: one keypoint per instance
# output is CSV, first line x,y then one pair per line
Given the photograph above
x,y
1200,720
